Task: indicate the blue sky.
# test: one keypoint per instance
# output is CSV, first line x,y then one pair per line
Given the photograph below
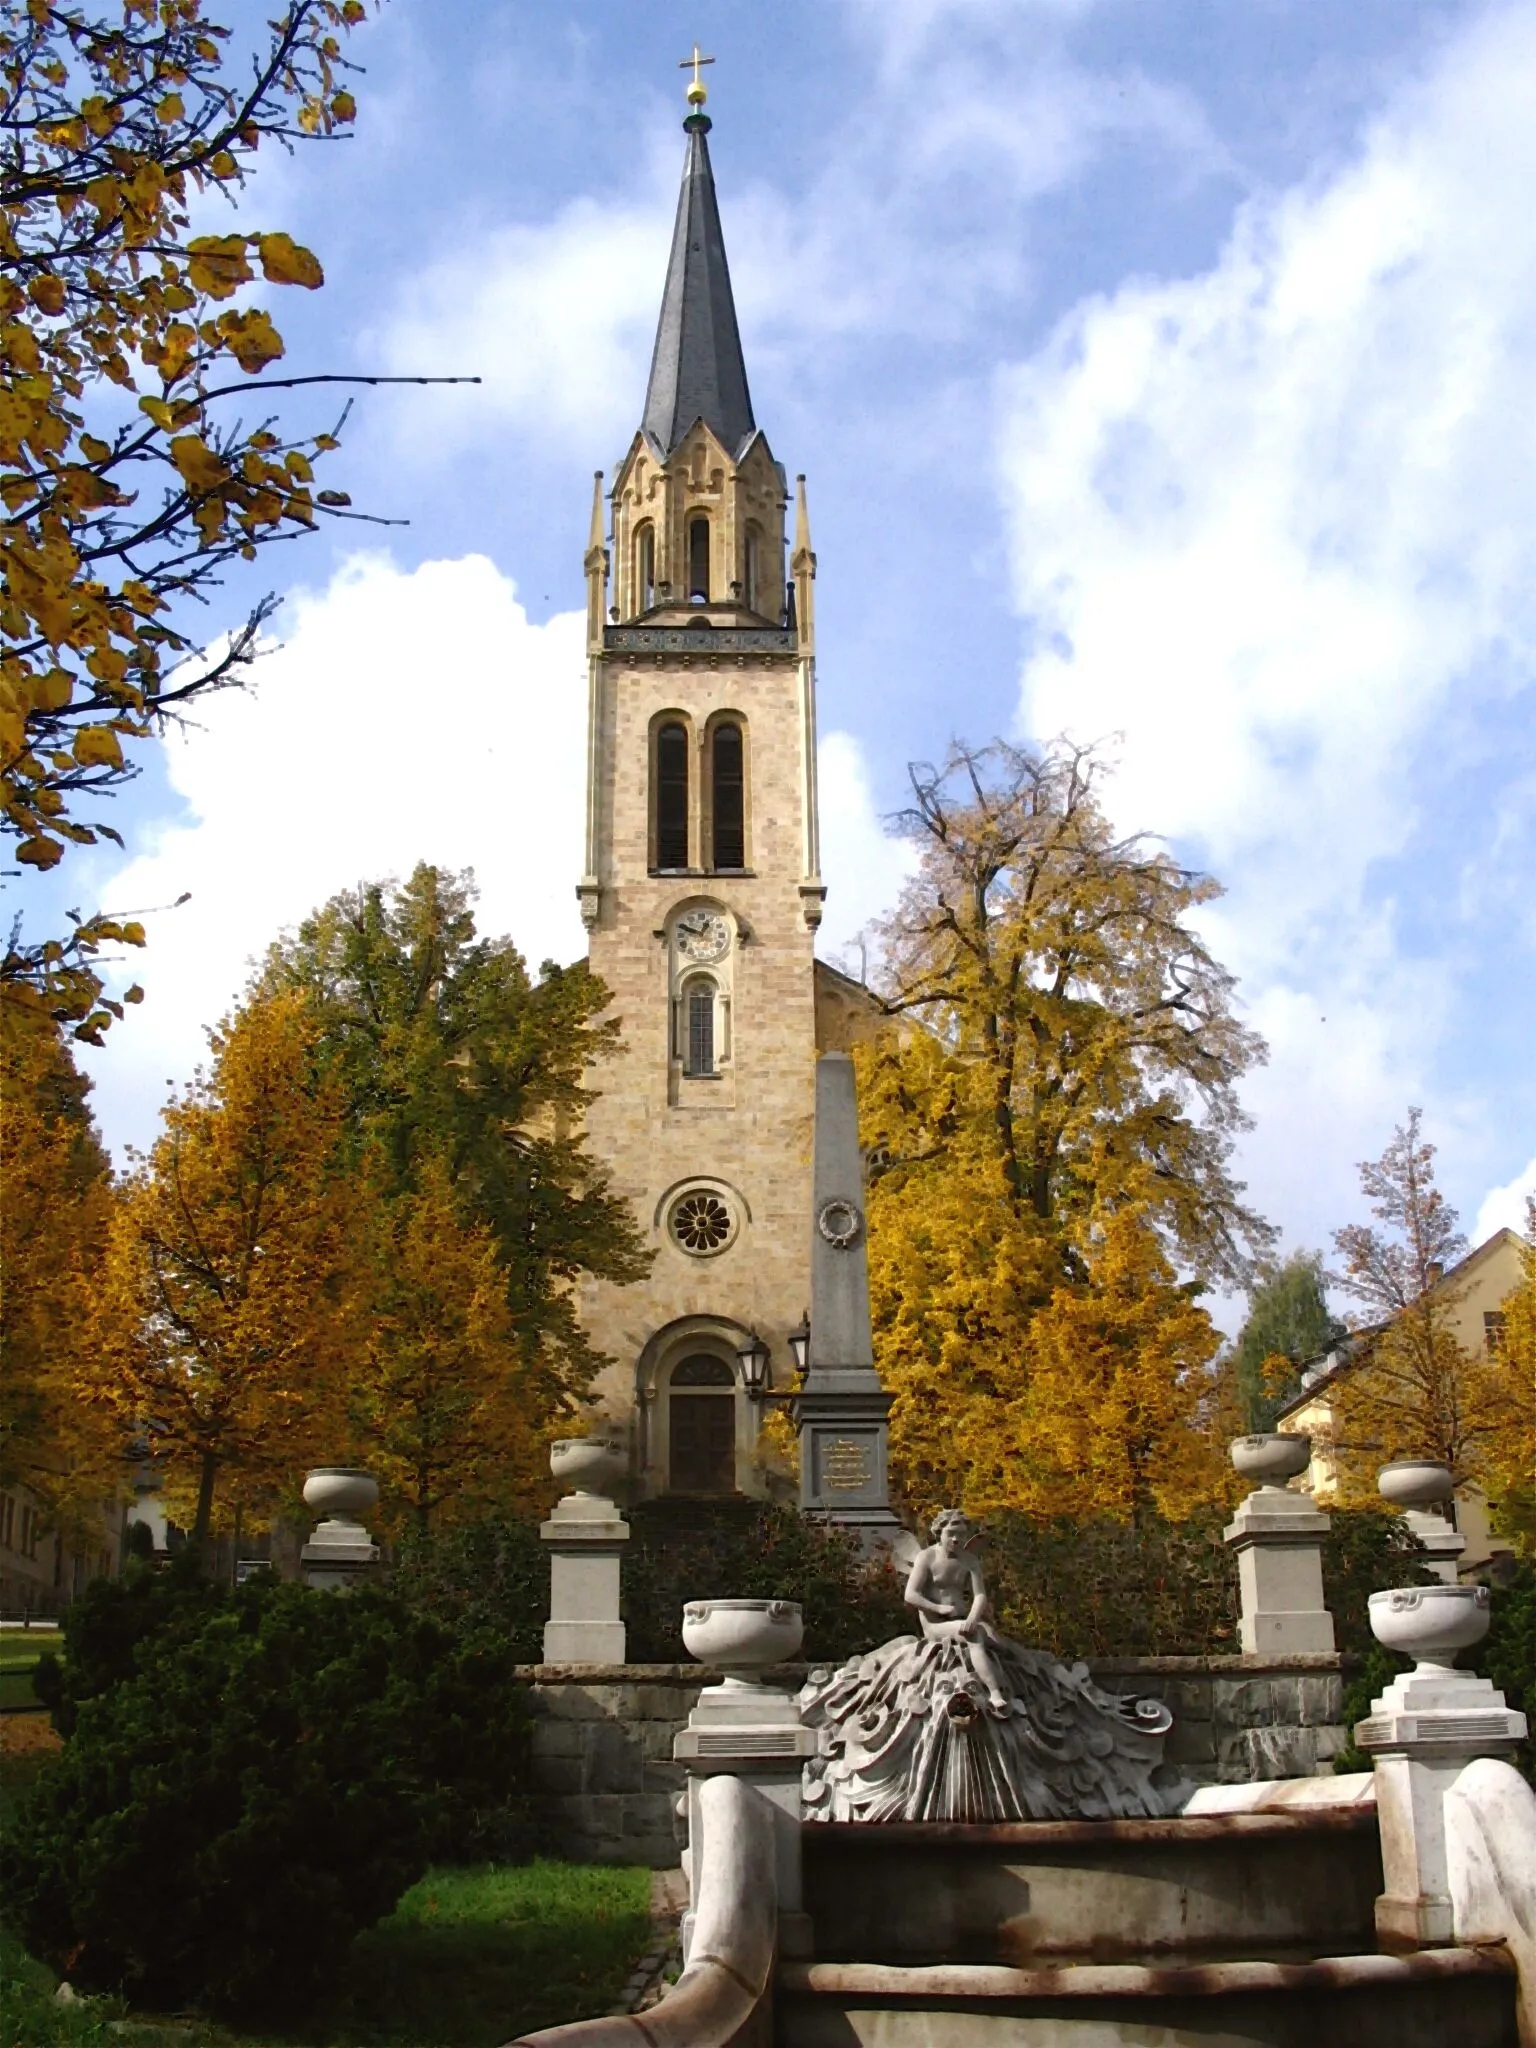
x,y
1162,372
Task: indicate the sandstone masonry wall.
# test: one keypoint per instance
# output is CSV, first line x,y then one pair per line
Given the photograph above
x,y
604,1782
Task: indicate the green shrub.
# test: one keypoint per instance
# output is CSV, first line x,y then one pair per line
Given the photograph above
x,y
487,1574
692,1550
496,1574
1140,1588
262,1778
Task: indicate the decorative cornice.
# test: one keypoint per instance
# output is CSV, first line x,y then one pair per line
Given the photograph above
x,y
703,640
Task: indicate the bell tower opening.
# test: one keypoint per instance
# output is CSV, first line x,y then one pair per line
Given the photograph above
x,y
698,559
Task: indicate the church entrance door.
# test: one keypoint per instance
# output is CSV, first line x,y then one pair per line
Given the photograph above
x,y
701,1451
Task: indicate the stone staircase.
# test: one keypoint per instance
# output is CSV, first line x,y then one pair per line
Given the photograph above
x,y
1223,1930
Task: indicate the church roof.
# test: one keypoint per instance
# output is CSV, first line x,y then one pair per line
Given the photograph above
x,y
697,372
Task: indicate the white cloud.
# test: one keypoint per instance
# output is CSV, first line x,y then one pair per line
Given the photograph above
x,y
1273,525
1504,1208
863,865
556,318
405,718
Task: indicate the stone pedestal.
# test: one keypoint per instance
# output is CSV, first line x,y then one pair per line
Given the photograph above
x,y
1278,1536
1423,1732
586,1536
339,1555
1443,1545
752,1732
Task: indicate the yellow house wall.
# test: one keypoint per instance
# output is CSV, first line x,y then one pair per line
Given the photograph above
x,y
1480,1286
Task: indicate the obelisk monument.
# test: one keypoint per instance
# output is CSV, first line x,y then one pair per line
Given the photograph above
x,y
842,1408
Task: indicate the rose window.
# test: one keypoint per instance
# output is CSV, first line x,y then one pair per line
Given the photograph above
x,y
701,1222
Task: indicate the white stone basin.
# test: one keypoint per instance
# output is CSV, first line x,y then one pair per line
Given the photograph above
x,y
340,1493
1271,1458
742,1637
1414,1482
1432,1624
587,1464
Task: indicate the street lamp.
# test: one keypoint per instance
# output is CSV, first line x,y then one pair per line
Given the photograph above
x,y
800,1342
753,1353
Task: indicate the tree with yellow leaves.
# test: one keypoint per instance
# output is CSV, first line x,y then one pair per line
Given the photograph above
x,y
1511,1456
1414,1389
1057,1111
53,1227
442,1406
119,503
228,1304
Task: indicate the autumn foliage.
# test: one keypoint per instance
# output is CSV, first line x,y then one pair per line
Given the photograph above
x,y
229,1302
126,485
53,1231
1049,1119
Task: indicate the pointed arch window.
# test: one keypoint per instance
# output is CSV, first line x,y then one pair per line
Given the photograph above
x,y
672,796
645,568
698,560
728,793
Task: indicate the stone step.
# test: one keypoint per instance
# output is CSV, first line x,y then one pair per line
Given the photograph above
x,y
1441,1998
1223,1884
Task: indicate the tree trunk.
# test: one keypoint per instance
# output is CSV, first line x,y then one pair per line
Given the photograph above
x,y
199,1538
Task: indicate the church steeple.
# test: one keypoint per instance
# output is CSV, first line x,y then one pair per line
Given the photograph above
x,y
697,371
699,501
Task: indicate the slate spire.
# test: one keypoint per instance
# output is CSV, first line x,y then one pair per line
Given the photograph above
x,y
697,370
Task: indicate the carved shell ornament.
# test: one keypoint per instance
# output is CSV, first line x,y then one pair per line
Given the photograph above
x,y
702,935
840,1223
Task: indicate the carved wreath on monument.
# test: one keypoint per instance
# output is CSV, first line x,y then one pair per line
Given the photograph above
x,y
840,1222
961,1724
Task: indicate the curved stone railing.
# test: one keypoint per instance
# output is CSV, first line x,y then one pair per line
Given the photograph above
x,y
724,1993
1490,1840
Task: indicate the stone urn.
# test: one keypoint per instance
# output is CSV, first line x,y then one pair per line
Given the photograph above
x,y
743,1637
1432,1624
1415,1483
587,1465
340,1493
1271,1459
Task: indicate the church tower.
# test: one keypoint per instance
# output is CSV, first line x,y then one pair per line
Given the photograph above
x,y
702,889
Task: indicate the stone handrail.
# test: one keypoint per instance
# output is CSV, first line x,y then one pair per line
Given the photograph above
x,y
723,1995
1490,1839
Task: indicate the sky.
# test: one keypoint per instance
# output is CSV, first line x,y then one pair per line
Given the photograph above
x,y
1161,371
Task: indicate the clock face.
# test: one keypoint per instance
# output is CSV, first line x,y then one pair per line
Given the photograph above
x,y
702,934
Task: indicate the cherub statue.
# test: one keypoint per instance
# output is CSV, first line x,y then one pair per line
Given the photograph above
x,y
960,1723
946,1588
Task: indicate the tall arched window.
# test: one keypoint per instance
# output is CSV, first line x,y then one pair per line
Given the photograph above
x,y
728,797
645,568
698,1028
698,559
672,796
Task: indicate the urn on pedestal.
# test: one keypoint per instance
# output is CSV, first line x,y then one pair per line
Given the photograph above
x,y
340,1552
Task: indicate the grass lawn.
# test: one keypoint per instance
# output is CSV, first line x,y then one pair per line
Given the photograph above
x,y
468,1959
19,1652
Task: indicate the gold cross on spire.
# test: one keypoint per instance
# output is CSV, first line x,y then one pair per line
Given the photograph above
x,y
698,92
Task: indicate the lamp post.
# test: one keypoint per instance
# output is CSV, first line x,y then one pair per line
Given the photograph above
x,y
753,1353
800,1342
754,1356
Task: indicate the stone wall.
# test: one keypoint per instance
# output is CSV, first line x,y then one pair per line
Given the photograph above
x,y
604,1781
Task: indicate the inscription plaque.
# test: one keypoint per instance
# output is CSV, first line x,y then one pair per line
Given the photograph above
x,y
845,1466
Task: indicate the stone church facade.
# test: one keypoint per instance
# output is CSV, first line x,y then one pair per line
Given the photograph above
x,y
702,887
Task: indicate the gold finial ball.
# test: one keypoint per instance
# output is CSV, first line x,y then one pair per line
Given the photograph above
x,y
698,93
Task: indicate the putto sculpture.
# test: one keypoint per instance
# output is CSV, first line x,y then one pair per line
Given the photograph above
x,y
961,1724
